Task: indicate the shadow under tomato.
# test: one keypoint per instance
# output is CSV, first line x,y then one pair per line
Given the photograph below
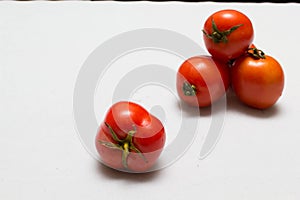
x,y
120,175
194,111
216,107
187,109
234,104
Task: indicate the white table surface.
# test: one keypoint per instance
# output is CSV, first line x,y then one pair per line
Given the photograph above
x,y
42,48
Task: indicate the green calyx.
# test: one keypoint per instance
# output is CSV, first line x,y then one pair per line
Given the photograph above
x,y
126,145
256,53
188,89
220,36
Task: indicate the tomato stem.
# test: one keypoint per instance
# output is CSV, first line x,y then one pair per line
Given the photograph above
x,y
110,145
256,53
189,89
125,154
113,134
220,36
126,145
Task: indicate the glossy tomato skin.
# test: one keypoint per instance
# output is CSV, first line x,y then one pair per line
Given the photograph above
x,y
237,41
257,82
209,77
149,137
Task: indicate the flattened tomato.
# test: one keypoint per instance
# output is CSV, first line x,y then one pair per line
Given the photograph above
x,y
130,138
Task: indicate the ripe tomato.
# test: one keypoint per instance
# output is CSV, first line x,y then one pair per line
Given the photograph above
x,y
201,80
130,138
227,34
257,79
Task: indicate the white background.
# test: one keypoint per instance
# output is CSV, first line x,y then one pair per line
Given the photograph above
x,y
44,44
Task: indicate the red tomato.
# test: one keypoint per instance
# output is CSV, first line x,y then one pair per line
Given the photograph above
x,y
257,79
201,80
227,34
130,138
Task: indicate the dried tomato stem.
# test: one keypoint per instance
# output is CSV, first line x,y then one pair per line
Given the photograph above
x,y
125,154
189,89
256,53
124,145
220,36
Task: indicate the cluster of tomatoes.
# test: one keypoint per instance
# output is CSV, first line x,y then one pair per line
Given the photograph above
x,y
131,139
257,79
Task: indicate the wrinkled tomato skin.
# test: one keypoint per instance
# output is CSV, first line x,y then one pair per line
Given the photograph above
x,y
238,41
149,137
209,76
257,82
